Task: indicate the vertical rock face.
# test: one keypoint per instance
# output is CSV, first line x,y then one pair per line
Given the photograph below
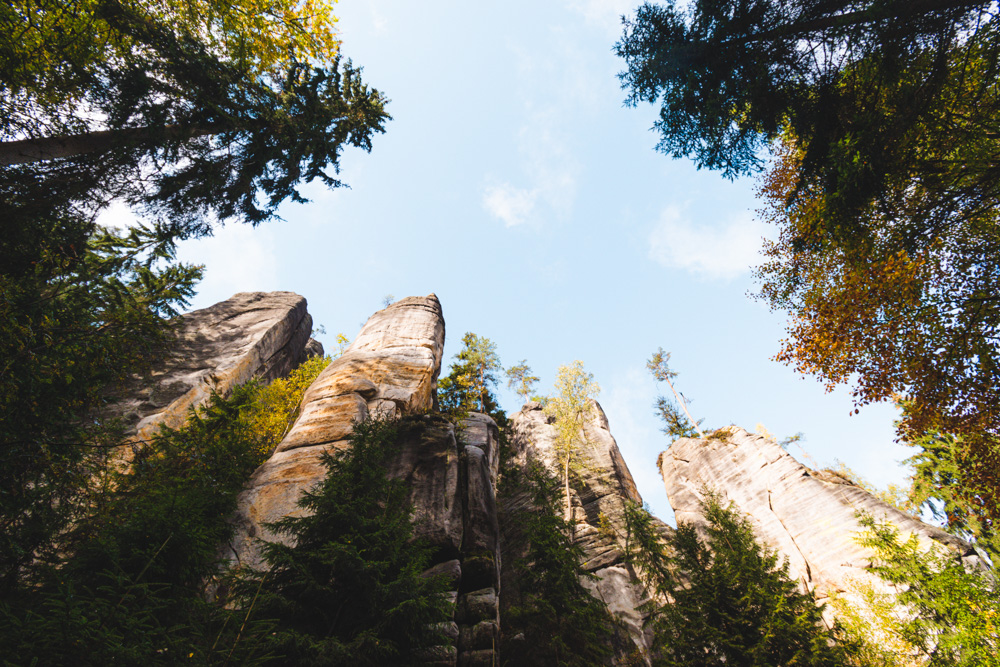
x,y
809,517
601,485
391,369
262,334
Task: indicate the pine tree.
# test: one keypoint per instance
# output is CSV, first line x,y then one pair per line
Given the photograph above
x,y
520,379
948,612
723,599
350,591
675,424
124,582
473,376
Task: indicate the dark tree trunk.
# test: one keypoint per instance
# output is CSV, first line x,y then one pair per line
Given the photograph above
x,y
53,148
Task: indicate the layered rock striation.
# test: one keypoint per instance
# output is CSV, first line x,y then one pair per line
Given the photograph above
x,y
601,484
391,369
252,334
807,516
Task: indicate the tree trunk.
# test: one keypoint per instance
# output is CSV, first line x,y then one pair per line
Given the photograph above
x,y
53,148
684,407
568,514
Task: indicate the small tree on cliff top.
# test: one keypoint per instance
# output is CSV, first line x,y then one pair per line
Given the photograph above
x,y
470,383
574,390
520,379
675,425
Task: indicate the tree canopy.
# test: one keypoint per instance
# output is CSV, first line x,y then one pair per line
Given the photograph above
x,y
186,110
191,112
896,315
883,184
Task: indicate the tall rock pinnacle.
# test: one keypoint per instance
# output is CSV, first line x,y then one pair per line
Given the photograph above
x,y
262,334
391,368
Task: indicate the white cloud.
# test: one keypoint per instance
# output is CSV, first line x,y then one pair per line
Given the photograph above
x,y
716,252
548,167
379,21
509,204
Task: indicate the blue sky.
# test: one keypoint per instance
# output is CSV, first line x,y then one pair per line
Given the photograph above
x,y
514,184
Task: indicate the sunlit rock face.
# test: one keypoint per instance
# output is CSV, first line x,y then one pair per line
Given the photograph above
x,y
391,369
263,334
809,517
601,484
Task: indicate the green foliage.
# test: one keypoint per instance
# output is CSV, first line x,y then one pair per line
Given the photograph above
x,y
730,77
942,487
350,592
520,379
724,600
81,312
547,617
473,376
575,388
675,423
176,124
128,584
949,612
276,405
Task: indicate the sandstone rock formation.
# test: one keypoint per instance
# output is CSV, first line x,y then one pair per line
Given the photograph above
x,y
391,368
808,516
601,485
263,334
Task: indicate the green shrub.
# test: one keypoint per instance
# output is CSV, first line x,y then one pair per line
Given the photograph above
x,y
941,611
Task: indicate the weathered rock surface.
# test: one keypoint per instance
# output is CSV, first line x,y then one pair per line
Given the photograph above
x,y
601,485
808,516
391,368
263,334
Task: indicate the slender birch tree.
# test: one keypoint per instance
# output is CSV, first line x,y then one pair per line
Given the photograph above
x,y
575,390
